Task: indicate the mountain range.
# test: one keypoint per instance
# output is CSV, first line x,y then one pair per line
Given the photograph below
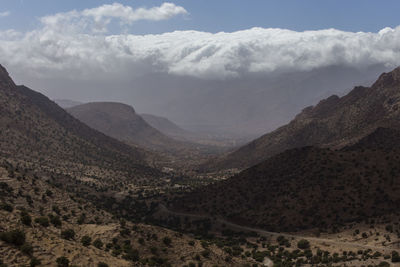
x,y
333,122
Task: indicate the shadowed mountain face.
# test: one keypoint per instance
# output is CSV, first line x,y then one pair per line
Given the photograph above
x,y
166,126
309,187
67,103
334,122
37,130
123,123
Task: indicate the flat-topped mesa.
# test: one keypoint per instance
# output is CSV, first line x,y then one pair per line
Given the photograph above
x,y
115,108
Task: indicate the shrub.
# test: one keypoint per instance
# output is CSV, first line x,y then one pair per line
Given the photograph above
x,y
98,244
395,256
62,262
86,240
68,234
102,264
26,218
6,207
27,249
43,221
167,241
303,244
34,262
132,255
205,253
55,220
15,237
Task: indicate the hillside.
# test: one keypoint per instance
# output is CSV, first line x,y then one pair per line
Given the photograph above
x,y
309,187
36,130
166,126
67,103
42,225
334,122
123,123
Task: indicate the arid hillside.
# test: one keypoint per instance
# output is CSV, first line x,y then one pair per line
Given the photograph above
x,y
309,187
36,130
123,123
334,122
42,225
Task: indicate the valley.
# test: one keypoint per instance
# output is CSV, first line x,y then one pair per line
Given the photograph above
x,y
96,184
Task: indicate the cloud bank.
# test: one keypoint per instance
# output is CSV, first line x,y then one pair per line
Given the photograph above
x,y
76,44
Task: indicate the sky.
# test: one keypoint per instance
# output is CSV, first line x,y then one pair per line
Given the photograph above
x,y
89,50
228,15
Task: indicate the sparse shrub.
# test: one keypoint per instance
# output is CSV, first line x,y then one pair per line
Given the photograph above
x,y
49,193
62,262
43,221
395,256
98,243
131,255
68,234
303,244
86,240
383,264
26,218
6,207
15,237
167,241
34,262
205,253
55,220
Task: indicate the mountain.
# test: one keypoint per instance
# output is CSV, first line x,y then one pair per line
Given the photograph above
x,y
123,123
244,106
42,224
310,187
166,126
67,103
334,122
36,130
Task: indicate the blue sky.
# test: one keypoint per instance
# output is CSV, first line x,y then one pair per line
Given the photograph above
x,y
227,15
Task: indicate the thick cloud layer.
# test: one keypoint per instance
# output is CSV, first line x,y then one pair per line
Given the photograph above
x,y
49,51
194,77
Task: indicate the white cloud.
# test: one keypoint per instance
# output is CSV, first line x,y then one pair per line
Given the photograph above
x,y
63,47
4,14
129,15
97,19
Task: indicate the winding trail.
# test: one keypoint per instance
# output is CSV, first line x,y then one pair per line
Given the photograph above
x,y
323,241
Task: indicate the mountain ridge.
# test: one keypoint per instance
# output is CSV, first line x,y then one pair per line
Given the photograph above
x,y
334,122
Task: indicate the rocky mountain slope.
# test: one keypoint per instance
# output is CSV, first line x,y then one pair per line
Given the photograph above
x,y
166,126
334,122
67,103
310,187
123,123
43,225
37,130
